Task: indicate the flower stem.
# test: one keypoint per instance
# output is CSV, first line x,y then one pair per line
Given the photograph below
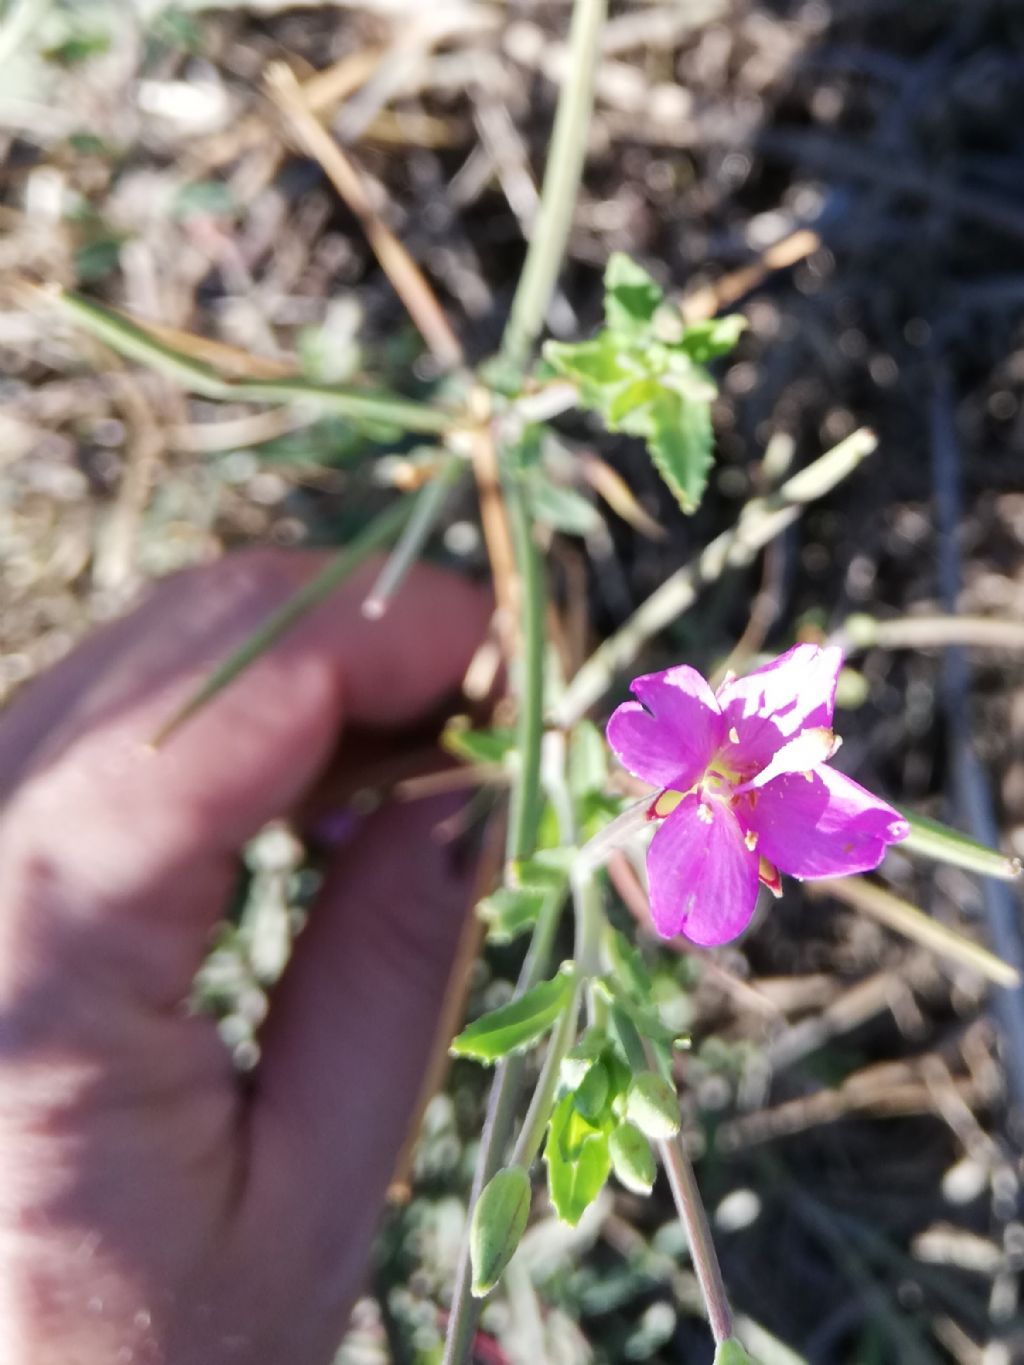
x,y
526,791
561,185
531,1135
698,1233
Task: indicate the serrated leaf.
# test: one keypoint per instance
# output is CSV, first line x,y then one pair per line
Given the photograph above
x,y
499,1220
731,1352
521,1022
511,911
632,1158
628,406
934,840
653,1105
681,444
576,1155
596,365
478,746
704,341
588,760
631,295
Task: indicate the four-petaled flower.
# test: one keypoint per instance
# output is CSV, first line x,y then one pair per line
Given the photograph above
x,y
744,789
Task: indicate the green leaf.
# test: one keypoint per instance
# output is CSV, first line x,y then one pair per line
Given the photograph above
x,y
499,1220
588,760
591,1096
577,1159
644,1018
596,365
652,1104
731,1352
477,746
511,911
628,966
514,1026
561,508
632,1158
934,840
681,445
578,1060
704,341
631,295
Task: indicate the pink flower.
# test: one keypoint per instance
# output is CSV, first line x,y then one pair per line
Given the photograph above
x,y
744,789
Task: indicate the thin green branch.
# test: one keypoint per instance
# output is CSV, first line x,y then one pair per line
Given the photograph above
x,y
526,790
429,503
531,1135
133,342
561,185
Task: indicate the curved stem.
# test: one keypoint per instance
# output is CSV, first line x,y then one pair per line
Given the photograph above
x,y
561,185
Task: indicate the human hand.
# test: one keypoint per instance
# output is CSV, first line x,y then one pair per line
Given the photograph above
x,y
153,1207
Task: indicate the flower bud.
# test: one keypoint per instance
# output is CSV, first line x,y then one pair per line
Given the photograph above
x,y
499,1219
653,1106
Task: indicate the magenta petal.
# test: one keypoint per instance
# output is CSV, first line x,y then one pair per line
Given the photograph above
x,y
772,704
669,739
822,824
701,875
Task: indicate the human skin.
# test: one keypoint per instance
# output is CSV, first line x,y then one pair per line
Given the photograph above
x,y
155,1209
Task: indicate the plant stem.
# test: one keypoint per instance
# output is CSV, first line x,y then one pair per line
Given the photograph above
x,y
501,1107
526,791
561,185
531,1135
698,1233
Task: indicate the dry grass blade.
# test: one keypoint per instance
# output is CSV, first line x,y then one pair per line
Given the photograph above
x,y
898,914
408,280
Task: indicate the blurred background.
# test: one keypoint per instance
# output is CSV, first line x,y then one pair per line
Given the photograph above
x,y
847,173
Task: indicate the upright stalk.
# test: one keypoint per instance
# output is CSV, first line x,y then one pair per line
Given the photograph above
x,y
562,175
526,794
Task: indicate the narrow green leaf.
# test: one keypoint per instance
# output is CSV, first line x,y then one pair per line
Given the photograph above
x,y
590,1097
704,341
652,1104
632,1158
135,343
578,1162
681,446
380,531
521,1022
644,1018
628,966
578,1060
631,295
478,746
499,1220
934,840
561,508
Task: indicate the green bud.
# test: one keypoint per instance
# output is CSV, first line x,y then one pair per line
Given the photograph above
x,y
499,1219
732,1353
632,1158
653,1106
